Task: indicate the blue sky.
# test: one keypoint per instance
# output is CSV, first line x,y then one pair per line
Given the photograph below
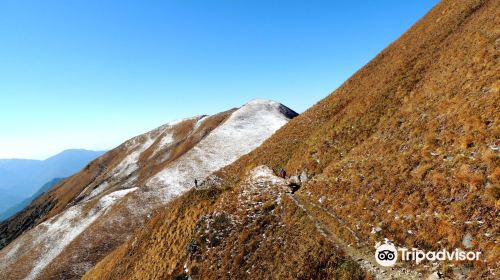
x,y
92,73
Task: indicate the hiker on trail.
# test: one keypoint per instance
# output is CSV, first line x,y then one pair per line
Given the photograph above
x,y
195,183
282,173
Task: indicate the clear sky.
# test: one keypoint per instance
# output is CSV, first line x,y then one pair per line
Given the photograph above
x,y
92,73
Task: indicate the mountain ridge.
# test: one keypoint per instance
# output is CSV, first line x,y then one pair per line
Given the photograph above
x,y
81,214
404,150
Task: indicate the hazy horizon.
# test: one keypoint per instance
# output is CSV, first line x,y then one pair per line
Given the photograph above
x,y
57,153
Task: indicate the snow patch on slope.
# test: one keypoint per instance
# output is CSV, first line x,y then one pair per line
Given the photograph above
x,y
200,122
242,132
113,197
55,234
129,163
264,174
135,147
101,188
166,140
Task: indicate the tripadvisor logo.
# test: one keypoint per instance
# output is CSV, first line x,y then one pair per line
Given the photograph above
x,y
387,255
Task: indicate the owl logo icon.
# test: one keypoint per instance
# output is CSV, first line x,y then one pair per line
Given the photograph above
x,y
386,255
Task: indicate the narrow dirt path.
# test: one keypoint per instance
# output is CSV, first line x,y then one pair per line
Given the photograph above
x,y
264,182
324,220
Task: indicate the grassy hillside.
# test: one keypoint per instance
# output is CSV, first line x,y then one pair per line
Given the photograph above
x,y
406,149
218,231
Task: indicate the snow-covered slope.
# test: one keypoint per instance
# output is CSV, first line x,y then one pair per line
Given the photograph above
x,y
129,183
250,125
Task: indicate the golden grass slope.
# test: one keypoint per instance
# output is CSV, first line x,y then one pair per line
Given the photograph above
x,y
226,232
408,146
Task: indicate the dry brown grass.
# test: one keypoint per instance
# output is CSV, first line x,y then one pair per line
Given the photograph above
x,y
159,247
269,243
278,242
407,143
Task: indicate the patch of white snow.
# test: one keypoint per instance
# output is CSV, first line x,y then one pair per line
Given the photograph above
x,y
242,132
64,228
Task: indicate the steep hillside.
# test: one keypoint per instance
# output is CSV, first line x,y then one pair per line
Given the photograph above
x,y
249,230
72,226
407,149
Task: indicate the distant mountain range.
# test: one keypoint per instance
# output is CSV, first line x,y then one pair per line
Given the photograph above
x,y
21,178
25,202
